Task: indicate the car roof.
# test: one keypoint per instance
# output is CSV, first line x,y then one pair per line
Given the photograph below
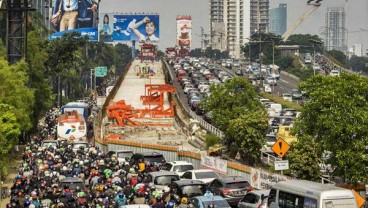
x,y
232,179
118,151
201,170
148,153
265,192
183,182
179,162
80,142
162,173
70,179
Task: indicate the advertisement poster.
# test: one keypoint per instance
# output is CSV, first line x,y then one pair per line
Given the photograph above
x,y
184,31
264,180
106,27
142,28
75,16
216,164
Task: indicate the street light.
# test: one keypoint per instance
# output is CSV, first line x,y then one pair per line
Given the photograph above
x,y
314,53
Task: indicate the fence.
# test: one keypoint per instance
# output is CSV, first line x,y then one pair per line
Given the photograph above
x,y
188,112
257,178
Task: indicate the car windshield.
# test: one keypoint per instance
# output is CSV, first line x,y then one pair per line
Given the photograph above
x,y
78,145
237,185
209,174
217,204
50,144
73,185
124,154
183,168
154,158
193,190
165,180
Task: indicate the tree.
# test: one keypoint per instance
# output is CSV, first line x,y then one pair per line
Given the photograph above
x,y
304,40
358,64
235,107
197,52
339,56
335,115
122,57
303,159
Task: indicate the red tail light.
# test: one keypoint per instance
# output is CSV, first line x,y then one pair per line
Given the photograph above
x,y
250,189
260,206
226,191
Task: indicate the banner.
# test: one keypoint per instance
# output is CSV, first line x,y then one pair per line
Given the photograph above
x,y
214,163
75,16
184,31
106,27
264,180
142,28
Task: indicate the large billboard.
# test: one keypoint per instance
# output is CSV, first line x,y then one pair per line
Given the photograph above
x,y
142,28
75,15
184,31
106,27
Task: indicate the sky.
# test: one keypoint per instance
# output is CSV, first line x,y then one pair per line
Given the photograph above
x,y
357,16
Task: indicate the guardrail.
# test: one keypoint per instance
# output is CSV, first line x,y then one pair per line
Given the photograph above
x,y
204,124
268,158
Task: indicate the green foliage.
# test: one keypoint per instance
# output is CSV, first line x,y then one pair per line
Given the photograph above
x,y
338,58
122,57
10,128
284,103
212,139
284,62
235,103
209,53
335,115
303,159
304,40
302,73
358,64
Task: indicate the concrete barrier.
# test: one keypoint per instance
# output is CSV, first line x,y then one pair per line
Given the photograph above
x,y
283,73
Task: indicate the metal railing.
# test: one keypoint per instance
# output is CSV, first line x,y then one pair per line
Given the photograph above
x,y
204,124
268,158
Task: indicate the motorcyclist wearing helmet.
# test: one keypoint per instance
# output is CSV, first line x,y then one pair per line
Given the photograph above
x,y
120,200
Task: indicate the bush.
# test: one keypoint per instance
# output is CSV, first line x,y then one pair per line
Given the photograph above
x,y
303,74
211,140
284,103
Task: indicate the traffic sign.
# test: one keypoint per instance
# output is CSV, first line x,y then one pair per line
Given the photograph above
x,y
281,164
100,71
280,147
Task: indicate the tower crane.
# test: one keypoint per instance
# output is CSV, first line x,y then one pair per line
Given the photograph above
x,y
313,5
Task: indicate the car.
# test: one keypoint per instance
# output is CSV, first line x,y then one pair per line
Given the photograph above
x,y
207,201
239,72
316,67
123,155
148,157
50,143
232,189
287,96
255,199
80,145
272,81
188,87
204,175
296,94
162,179
208,117
136,206
334,73
72,183
188,188
179,167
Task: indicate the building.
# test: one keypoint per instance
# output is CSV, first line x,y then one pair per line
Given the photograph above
x,y
233,21
357,50
335,29
278,20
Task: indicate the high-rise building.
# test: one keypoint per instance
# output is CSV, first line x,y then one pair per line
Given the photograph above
x,y
278,19
357,50
233,21
335,29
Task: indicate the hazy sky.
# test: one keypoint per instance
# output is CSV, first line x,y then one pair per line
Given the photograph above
x,y
357,16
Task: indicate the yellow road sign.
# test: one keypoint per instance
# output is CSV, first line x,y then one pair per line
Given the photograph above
x,y
280,147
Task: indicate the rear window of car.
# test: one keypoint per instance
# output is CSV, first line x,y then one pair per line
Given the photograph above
x,y
50,144
237,185
155,158
165,180
193,190
183,168
78,145
209,174
124,154
221,203
73,185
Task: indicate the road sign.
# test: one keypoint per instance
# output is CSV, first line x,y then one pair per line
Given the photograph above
x,y
100,71
281,164
280,147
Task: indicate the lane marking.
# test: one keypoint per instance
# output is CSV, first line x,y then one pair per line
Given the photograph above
x,y
284,81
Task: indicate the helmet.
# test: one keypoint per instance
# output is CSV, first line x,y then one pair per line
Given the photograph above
x,y
166,189
170,205
27,203
211,206
184,200
81,194
121,195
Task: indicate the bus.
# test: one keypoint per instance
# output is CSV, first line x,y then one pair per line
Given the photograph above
x,y
302,193
81,107
71,126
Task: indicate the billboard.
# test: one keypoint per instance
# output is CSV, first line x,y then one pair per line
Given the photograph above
x,y
106,27
142,28
75,16
184,31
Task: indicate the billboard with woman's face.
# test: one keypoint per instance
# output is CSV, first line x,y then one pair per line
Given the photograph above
x,y
106,27
75,16
142,28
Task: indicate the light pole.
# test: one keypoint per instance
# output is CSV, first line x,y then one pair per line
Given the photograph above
x,y
314,53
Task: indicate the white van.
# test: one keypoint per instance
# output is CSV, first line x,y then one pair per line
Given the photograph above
x,y
302,193
274,109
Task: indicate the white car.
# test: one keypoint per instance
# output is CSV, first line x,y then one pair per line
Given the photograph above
x,y
334,73
272,81
287,96
123,155
179,167
204,175
255,199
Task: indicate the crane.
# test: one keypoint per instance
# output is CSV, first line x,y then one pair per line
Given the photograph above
x,y
314,4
